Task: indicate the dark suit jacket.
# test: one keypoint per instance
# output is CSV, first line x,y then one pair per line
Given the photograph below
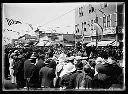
x,y
102,81
104,68
40,64
105,76
64,81
28,69
20,74
46,76
34,80
72,82
86,82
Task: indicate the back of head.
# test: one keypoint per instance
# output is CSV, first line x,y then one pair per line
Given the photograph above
x,y
87,68
42,57
50,54
79,65
51,63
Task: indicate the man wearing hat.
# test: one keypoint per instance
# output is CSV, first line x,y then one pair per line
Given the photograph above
x,y
29,68
40,63
117,71
105,76
47,74
68,69
79,67
19,71
84,79
59,68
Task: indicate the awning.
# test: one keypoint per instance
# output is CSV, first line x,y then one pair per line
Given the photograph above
x,y
103,43
41,44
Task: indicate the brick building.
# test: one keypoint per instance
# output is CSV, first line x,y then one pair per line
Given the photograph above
x,y
108,15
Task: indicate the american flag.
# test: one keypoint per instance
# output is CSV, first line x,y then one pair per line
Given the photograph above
x,y
11,21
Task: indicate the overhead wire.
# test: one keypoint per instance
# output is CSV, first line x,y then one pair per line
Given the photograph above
x,y
57,18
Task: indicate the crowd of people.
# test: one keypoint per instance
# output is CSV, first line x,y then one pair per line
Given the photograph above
x,y
64,68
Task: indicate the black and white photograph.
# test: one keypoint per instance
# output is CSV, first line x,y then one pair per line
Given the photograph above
x,y
76,46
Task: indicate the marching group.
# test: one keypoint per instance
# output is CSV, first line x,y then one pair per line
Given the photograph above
x,y
63,69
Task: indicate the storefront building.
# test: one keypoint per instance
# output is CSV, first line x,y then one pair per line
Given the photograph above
x,y
104,20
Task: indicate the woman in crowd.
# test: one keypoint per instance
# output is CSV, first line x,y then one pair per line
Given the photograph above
x,y
65,68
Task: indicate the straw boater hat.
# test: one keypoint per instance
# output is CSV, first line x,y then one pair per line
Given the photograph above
x,y
99,60
33,56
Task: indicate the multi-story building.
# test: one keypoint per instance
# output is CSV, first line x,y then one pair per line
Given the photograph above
x,y
105,18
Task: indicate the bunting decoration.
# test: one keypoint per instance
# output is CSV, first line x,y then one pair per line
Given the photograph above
x,y
11,21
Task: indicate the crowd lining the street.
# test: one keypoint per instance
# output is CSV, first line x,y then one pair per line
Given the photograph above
x,y
64,68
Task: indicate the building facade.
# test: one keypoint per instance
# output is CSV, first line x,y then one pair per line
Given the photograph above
x,y
108,15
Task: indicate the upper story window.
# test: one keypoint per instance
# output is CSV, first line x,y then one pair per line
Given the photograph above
x,y
96,20
92,27
108,20
91,9
81,12
77,28
84,26
104,22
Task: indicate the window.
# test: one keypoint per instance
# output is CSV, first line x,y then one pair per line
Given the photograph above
x,y
77,28
104,22
84,26
96,20
91,24
105,5
80,11
84,29
108,20
91,9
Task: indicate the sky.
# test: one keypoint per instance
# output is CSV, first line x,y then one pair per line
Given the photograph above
x,y
39,14
45,16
